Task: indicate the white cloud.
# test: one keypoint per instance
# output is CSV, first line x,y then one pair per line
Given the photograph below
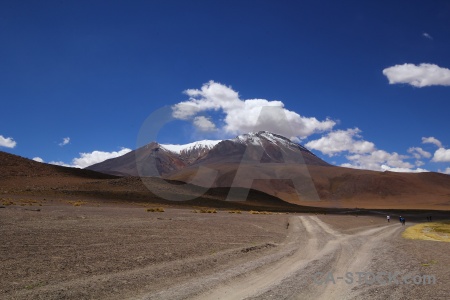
x,y
88,159
418,152
426,35
61,163
204,124
7,142
340,141
295,139
446,171
38,159
419,163
65,141
242,116
431,140
403,170
441,155
377,159
245,115
363,154
418,76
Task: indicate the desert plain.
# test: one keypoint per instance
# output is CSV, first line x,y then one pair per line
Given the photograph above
x,y
96,250
75,234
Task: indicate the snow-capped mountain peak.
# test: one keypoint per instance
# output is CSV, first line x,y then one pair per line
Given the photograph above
x,y
254,138
191,152
179,149
259,146
257,138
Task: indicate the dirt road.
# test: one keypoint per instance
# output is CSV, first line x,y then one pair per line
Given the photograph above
x,y
119,252
294,271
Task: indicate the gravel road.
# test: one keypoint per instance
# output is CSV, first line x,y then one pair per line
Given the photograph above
x,y
123,252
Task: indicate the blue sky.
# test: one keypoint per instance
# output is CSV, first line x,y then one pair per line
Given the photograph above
x,y
93,71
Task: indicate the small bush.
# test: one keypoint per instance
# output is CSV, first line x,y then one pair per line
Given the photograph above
x,y
255,212
234,212
431,262
205,211
77,203
155,209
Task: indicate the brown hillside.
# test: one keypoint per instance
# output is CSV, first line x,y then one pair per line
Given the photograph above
x,y
337,186
21,177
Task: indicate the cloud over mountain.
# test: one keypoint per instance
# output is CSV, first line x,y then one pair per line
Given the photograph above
x,y
340,141
204,124
441,155
243,115
362,154
379,160
90,158
418,152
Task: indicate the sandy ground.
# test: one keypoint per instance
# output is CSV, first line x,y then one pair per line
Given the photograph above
x,y
59,251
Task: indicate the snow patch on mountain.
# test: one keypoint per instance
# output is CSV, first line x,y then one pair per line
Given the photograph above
x,y
205,144
257,137
260,138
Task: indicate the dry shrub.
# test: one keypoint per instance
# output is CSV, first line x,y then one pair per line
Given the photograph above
x,y
255,212
433,231
155,209
205,211
77,203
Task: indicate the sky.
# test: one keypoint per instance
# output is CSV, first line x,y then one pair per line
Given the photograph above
x,y
364,84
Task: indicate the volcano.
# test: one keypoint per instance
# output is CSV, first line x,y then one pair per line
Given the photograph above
x,y
277,166
262,146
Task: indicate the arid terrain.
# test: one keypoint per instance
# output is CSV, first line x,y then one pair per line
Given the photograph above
x,y
77,234
121,251
274,165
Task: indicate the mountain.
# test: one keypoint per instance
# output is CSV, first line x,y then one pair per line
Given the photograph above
x,y
262,146
14,166
276,166
21,175
191,152
195,162
163,159
24,182
155,159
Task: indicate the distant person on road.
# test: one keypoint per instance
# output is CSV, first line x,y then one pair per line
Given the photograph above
x,y
403,221
400,219
388,218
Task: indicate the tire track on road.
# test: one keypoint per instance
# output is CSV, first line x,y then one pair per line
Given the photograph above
x,y
326,250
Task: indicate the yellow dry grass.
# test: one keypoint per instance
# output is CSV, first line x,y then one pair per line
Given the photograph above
x,y
205,211
433,231
155,209
77,203
255,212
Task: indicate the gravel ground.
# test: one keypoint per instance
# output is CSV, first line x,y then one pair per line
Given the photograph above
x,y
124,252
89,252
